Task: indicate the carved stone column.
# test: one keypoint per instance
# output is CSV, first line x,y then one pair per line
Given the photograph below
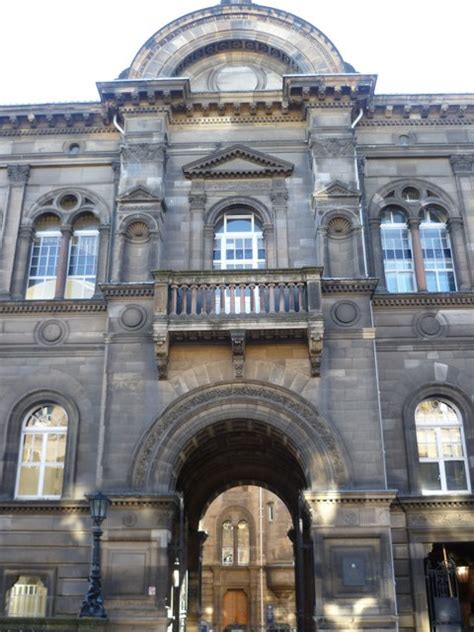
x,y
357,237
463,169
269,240
17,179
104,234
377,250
61,269
23,249
459,248
414,226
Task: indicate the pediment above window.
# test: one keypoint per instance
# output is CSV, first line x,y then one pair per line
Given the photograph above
x,y
138,194
337,189
238,161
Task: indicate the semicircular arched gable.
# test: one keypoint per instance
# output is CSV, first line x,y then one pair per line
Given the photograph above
x,y
324,460
299,42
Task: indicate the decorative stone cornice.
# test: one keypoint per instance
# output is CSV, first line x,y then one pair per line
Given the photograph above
x,y
18,174
353,286
82,506
462,164
454,299
314,89
46,307
127,290
258,165
465,501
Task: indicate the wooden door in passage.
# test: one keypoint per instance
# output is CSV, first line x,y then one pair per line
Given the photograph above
x,y
235,610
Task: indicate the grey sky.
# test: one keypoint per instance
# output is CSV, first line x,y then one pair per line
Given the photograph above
x,y
55,50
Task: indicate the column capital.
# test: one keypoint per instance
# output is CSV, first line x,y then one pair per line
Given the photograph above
x,y
26,232
413,222
462,164
454,222
375,222
18,174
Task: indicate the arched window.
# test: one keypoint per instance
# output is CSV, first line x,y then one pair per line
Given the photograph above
x,y
441,448
238,243
235,543
42,453
437,256
27,597
227,543
243,543
83,250
397,251
416,242
44,259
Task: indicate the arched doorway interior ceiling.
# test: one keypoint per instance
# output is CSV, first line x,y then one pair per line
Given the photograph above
x,y
276,33
260,432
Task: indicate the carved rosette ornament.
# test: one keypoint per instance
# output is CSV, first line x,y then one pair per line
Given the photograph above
x,y
18,174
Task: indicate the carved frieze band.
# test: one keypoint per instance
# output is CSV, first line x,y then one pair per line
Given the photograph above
x,y
333,147
143,152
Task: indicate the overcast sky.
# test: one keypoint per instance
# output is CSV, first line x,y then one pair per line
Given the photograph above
x,y
55,50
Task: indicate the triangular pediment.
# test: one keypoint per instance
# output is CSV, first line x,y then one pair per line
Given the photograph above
x,y
137,194
337,189
238,161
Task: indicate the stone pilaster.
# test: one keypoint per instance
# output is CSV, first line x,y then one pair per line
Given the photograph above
x,y
414,226
18,176
197,206
23,250
279,198
374,225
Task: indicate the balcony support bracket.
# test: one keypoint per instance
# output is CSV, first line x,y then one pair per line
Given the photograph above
x,y
162,343
237,339
315,347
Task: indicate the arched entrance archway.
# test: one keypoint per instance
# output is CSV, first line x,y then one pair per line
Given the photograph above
x,y
239,434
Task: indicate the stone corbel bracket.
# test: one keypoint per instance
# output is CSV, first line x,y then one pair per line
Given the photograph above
x,y
162,344
237,339
315,347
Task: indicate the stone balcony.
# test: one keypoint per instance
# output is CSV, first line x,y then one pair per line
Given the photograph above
x,y
236,306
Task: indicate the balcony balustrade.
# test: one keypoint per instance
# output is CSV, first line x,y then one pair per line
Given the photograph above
x,y
238,305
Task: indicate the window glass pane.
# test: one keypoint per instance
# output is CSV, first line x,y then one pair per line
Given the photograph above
x,y
82,265
429,476
28,481
32,446
437,258
243,543
398,259
456,475
239,225
427,447
53,481
27,598
434,411
451,440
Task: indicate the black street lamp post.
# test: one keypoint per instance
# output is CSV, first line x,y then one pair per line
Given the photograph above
x,y
93,604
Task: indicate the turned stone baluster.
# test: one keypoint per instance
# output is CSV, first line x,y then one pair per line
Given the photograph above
x,y
242,288
193,299
301,305
222,298
271,298
212,298
174,299
184,299
232,298
291,297
252,298
282,288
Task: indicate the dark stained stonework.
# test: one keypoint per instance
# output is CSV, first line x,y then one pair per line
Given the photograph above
x,y
184,382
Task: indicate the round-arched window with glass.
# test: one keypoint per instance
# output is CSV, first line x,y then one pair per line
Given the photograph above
x,y
238,243
42,453
441,447
437,256
397,251
227,543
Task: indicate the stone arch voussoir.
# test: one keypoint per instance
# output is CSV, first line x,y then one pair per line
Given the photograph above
x,y
324,459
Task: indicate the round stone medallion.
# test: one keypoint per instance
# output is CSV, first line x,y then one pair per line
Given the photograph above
x,y
345,313
51,332
429,326
133,317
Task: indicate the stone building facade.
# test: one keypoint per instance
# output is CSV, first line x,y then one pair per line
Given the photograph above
x,y
241,266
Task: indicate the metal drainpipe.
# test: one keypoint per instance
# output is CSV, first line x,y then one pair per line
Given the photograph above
x,y
361,218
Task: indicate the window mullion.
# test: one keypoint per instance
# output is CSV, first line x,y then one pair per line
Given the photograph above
x,y
42,465
414,226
